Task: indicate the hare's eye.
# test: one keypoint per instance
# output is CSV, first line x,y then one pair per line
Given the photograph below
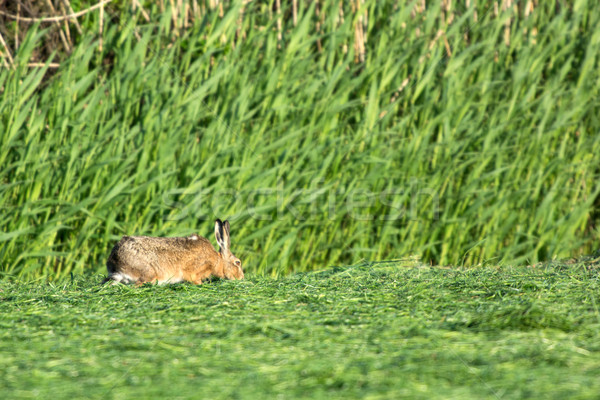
x,y
238,263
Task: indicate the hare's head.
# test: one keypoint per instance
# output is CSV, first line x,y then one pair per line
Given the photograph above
x,y
233,265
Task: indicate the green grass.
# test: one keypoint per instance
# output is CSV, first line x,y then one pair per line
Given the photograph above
x,y
373,330
485,156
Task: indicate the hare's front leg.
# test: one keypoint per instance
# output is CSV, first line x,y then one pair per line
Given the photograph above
x,y
197,273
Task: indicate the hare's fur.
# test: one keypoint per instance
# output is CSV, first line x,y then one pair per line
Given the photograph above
x,y
142,259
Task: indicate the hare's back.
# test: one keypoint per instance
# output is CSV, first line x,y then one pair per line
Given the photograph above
x,y
162,245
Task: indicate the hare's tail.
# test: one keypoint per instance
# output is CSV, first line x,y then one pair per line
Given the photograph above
x,y
118,277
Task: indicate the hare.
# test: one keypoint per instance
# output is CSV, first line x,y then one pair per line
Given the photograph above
x,y
142,259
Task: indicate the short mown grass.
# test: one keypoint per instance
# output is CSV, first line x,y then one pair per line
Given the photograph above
x,y
373,330
466,136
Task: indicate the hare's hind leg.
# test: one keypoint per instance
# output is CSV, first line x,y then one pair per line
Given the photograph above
x,y
142,282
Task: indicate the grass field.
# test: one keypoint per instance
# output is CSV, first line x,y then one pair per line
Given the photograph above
x,y
464,136
373,330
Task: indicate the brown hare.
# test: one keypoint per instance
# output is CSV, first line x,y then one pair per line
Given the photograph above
x,y
142,259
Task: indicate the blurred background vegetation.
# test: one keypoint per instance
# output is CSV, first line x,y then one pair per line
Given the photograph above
x,y
460,132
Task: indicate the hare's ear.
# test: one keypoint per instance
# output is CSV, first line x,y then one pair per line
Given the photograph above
x,y
221,235
227,237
